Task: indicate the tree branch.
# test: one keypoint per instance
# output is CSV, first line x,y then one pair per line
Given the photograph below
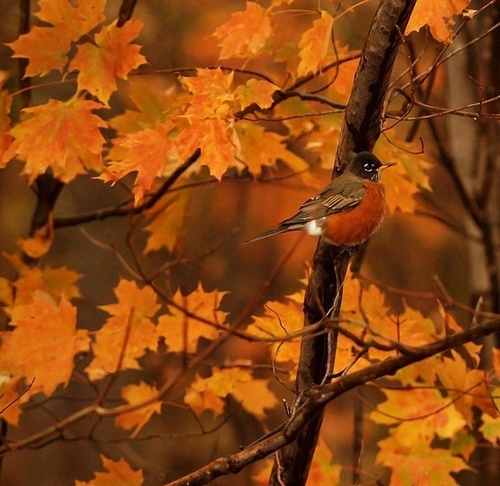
x,y
360,131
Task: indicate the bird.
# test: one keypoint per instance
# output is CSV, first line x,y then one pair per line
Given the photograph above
x,y
347,211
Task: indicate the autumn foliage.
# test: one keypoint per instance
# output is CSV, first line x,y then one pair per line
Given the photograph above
x,y
268,109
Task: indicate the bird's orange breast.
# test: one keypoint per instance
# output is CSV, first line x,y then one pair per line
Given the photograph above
x,y
355,226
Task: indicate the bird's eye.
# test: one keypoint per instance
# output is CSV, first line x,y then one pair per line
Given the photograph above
x,y
368,167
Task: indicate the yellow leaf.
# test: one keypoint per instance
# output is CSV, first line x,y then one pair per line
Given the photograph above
x,y
135,394
39,244
208,393
256,91
182,333
261,148
119,473
314,45
127,334
281,319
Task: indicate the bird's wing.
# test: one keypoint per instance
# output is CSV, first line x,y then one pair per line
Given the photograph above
x,y
339,195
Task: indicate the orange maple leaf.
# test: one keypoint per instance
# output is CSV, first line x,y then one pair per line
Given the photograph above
x,y
406,179
110,57
419,463
256,91
58,282
43,343
79,16
45,47
323,470
262,148
135,394
62,135
119,473
438,15
217,140
127,334
149,152
209,393
281,319
182,333
246,34
314,45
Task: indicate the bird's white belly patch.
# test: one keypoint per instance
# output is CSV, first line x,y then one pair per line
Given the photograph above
x,y
315,227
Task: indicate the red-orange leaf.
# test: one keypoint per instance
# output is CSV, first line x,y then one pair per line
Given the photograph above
x,y
246,34
62,135
112,56
150,153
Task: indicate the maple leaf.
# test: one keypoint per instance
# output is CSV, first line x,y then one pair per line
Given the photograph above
x,y
208,393
490,428
210,94
314,45
419,415
79,16
112,56
135,394
43,343
419,463
280,319
406,178
56,42
246,34
62,135
182,333
208,110
467,387
128,333
167,222
217,140
39,244
57,282
261,148
149,98
149,152
256,91
323,470
437,14
119,473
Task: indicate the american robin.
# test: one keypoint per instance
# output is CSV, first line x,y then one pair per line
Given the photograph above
x,y
348,210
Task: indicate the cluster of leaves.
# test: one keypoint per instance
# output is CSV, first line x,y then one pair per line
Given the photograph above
x,y
222,112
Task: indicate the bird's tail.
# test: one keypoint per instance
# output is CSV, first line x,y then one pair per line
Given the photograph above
x,y
274,231
282,228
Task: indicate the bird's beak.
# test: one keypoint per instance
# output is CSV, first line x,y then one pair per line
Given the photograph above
x,y
386,166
